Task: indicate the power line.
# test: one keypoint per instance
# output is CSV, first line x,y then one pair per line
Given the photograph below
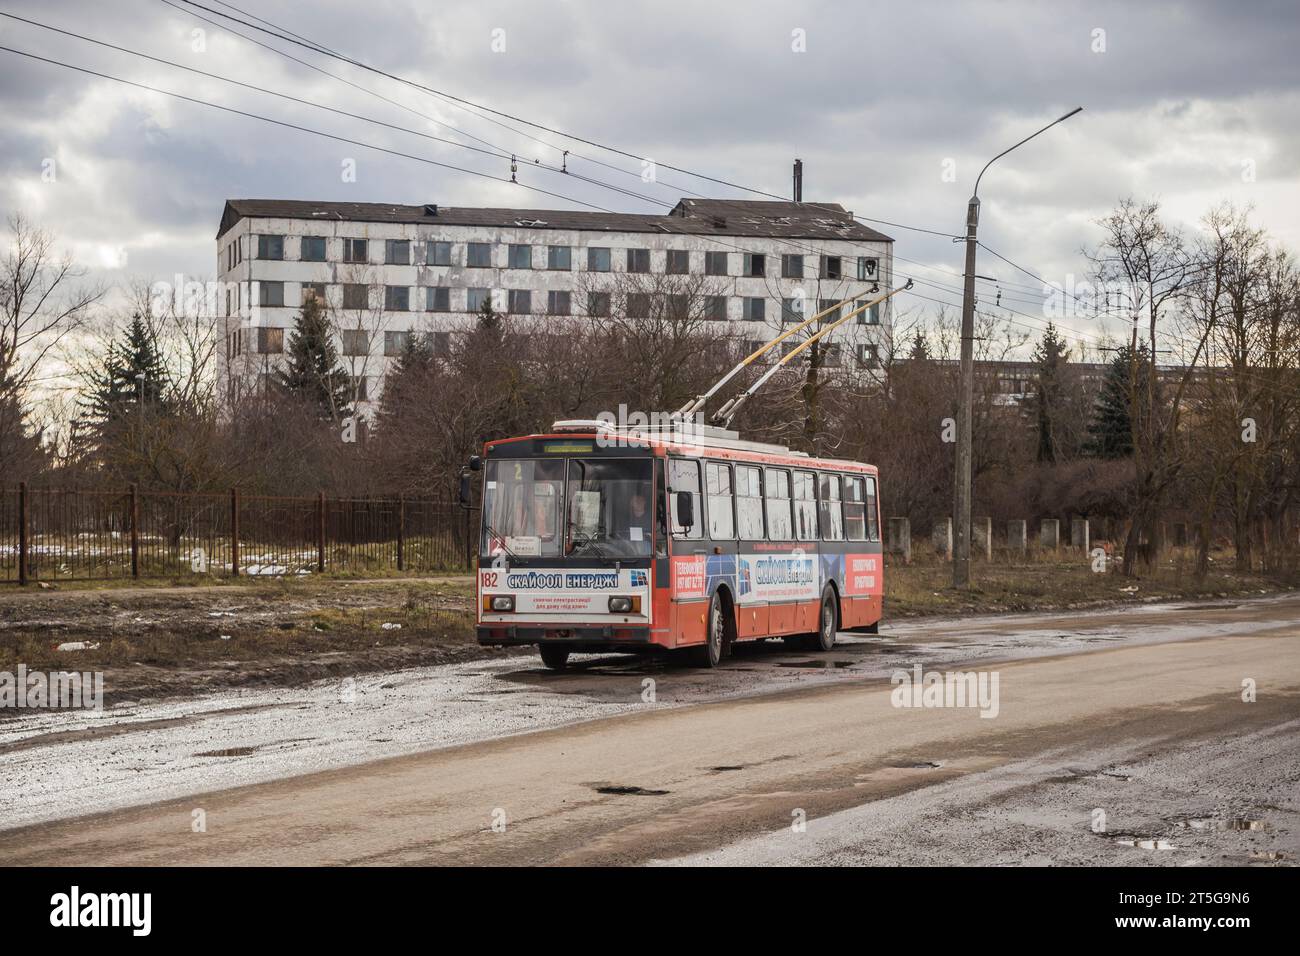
x,y
301,129
289,37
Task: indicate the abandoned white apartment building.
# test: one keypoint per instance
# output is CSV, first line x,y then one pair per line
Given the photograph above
x,y
386,272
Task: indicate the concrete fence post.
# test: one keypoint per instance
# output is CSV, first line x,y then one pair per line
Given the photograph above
x,y
1079,534
941,537
898,538
1049,533
1018,537
982,536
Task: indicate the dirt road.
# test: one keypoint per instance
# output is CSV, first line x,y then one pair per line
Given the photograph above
x,y
1144,720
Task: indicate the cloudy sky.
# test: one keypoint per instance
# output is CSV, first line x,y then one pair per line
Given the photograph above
x,y
892,107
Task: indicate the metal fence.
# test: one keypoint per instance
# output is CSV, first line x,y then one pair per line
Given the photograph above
x,y
52,534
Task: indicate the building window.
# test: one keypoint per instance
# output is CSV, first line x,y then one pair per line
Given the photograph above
x,y
638,260
397,298
437,299
355,250
270,293
678,262
270,247
395,343
677,306
521,257
832,355
792,310
715,308
715,263
869,316
638,305
355,341
559,303
479,255
835,310
598,259
520,302
442,344
755,264
868,268
868,357
792,267
356,296
475,298
313,290
437,253
559,258
397,252
313,249
754,311
598,303
831,267
270,341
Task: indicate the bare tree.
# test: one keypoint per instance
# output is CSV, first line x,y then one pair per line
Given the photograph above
x,y
43,301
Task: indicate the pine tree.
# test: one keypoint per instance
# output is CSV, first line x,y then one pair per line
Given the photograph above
x,y
406,380
312,372
1111,431
132,372
1051,357
920,348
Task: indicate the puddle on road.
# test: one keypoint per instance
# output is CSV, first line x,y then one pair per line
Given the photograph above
x,y
627,791
922,765
726,768
1210,823
816,665
247,751
1148,844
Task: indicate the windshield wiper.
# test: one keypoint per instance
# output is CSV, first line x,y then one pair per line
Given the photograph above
x,y
502,538
590,542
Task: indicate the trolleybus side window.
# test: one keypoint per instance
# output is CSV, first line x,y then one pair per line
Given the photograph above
x,y
684,476
779,525
805,506
832,518
722,521
749,503
855,518
873,513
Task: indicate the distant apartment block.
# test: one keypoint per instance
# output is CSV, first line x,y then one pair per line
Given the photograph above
x,y
387,272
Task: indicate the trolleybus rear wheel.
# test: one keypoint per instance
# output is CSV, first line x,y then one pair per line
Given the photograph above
x,y
554,656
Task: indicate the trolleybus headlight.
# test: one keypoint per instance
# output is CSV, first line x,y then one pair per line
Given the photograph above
x,y
620,605
503,602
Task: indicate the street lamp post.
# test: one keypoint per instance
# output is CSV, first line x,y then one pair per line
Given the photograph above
x,y
966,397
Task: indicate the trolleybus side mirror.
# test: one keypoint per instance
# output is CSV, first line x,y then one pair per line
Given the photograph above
x,y
464,490
475,463
685,509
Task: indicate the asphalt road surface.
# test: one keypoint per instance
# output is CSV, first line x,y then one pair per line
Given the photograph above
x,y
1159,735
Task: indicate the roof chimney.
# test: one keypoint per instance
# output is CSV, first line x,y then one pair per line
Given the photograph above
x,y
798,180
431,209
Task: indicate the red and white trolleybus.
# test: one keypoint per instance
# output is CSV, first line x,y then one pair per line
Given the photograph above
x,y
599,539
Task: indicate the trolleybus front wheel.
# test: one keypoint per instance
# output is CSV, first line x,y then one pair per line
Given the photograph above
x,y
714,647
554,656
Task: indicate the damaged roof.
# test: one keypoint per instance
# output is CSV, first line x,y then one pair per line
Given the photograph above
x,y
699,217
